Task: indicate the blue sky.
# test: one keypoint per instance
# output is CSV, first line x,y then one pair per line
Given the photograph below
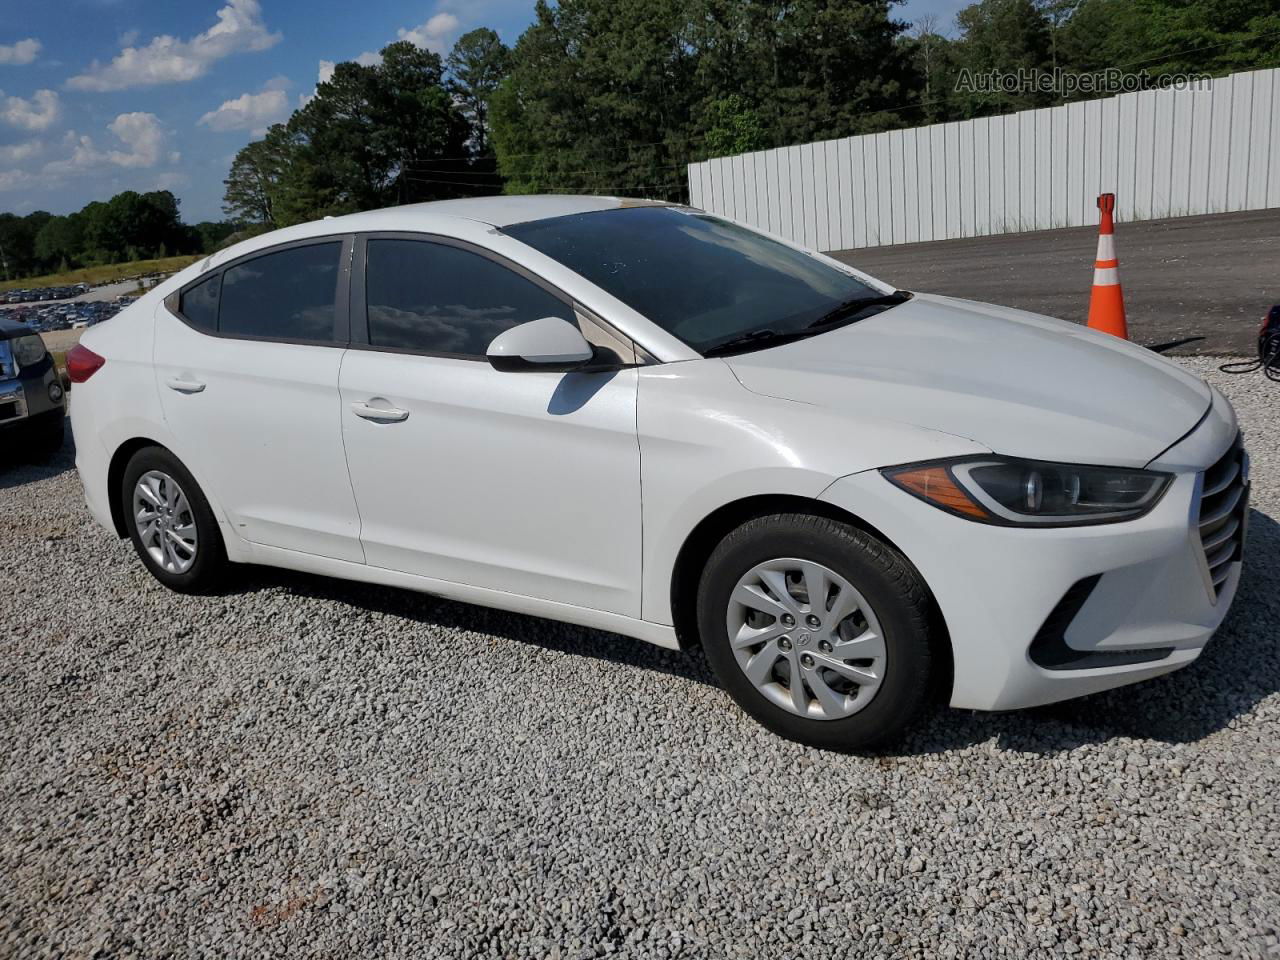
x,y
98,96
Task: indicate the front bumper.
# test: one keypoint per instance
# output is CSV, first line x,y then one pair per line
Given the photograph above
x,y
1149,607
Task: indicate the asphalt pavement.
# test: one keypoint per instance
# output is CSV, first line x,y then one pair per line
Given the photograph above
x,y
1212,276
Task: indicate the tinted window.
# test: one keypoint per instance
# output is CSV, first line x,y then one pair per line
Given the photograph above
x,y
700,278
440,299
200,303
288,295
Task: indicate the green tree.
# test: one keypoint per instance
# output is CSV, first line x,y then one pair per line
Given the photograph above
x,y
1005,36
213,234
598,99
372,136
733,126
1172,36
18,257
256,181
477,65
61,240
617,95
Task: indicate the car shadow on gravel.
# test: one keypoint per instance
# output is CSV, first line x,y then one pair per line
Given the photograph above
x,y
17,470
431,610
1237,670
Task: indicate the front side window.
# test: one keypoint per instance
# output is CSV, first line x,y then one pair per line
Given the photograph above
x,y
436,298
705,280
286,295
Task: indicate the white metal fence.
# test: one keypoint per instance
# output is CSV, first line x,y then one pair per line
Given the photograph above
x,y
1164,153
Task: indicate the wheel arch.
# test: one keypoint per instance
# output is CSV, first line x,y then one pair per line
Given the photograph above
x,y
714,527
115,475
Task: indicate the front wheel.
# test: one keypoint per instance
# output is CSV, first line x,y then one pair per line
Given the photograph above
x,y
818,630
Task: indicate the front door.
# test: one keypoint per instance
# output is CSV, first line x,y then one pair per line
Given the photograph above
x,y
526,483
247,365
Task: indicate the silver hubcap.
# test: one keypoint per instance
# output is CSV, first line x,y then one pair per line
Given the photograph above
x,y
166,525
806,638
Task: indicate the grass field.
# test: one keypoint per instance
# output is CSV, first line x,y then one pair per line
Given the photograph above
x,y
107,274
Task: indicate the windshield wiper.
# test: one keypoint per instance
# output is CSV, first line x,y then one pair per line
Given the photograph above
x,y
756,338
850,310
846,312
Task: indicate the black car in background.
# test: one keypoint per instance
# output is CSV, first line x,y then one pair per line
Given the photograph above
x,y
32,401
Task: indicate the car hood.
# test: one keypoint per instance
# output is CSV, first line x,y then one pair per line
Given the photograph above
x,y
1018,383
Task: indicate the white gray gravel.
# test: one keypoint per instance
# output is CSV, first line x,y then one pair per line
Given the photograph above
x,y
309,768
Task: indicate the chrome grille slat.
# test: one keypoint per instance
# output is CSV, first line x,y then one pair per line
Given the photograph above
x,y
1214,485
1221,509
1221,555
1221,535
1223,502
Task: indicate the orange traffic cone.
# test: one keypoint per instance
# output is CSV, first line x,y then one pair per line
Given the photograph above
x,y
1106,306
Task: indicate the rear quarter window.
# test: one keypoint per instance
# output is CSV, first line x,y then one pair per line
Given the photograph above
x,y
199,305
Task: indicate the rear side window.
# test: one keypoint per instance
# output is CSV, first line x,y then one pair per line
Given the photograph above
x,y
286,295
441,299
200,303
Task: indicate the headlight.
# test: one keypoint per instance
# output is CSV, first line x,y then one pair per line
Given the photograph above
x,y
28,350
1031,493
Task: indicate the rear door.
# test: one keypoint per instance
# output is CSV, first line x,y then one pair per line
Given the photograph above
x,y
247,362
526,483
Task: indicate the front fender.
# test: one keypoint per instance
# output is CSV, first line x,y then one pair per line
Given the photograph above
x,y
706,441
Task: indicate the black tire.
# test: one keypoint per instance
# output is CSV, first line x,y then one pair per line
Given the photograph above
x,y
885,579
45,440
209,568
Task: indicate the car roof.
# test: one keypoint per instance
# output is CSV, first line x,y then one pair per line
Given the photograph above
x,y
10,328
501,211
437,216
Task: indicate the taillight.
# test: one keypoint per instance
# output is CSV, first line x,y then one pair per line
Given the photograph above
x,y
82,363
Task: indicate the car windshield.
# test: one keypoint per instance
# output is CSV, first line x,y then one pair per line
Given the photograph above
x,y
716,286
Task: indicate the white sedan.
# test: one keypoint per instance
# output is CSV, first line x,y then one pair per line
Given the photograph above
x,y
650,420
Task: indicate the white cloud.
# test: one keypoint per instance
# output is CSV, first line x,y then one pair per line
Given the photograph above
x,y
38,113
140,133
249,111
432,34
167,59
16,154
20,53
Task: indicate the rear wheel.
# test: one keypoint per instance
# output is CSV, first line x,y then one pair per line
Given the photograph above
x,y
169,521
818,630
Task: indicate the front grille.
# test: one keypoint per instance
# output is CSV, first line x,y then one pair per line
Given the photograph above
x,y
8,368
1224,499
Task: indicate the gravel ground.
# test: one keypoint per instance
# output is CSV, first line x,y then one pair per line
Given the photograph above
x,y
307,768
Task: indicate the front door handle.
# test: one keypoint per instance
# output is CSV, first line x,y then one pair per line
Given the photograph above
x,y
387,414
184,386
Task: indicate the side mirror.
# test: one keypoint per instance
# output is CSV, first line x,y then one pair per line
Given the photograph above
x,y
550,344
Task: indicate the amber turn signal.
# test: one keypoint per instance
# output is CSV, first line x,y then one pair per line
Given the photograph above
x,y
935,485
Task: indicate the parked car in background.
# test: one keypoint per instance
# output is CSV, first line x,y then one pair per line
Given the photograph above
x,y
654,421
32,403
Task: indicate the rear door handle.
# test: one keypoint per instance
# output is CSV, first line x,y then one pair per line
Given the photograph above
x,y
184,386
387,414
